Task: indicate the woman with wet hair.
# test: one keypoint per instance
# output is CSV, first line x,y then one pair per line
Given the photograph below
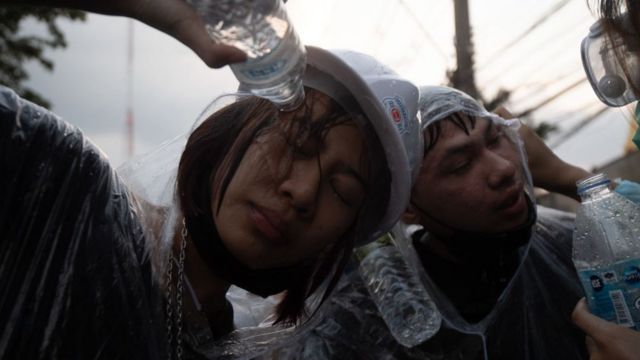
x,y
223,242
237,191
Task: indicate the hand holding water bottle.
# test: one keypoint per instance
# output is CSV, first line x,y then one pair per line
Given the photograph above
x,y
254,35
606,340
178,19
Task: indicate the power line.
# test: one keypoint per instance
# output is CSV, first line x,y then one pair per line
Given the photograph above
x,y
546,16
578,127
571,115
380,28
543,47
553,97
424,30
523,92
537,86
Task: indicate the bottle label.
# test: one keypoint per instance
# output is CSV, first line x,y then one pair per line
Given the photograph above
x,y
265,70
613,292
284,57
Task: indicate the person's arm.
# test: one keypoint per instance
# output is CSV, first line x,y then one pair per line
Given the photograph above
x,y
548,171
173,17
606,340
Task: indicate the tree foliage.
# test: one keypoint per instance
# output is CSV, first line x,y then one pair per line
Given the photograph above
x,y
17,48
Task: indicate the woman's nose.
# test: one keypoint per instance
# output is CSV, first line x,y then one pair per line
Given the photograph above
x,y
302,185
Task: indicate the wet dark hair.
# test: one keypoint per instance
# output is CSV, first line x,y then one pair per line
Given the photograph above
x,y
432,133
214,151
610,13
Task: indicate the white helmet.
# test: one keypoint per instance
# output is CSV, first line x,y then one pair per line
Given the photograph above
x,y
391,105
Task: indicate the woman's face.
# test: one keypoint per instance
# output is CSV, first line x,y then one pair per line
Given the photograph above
x,y
286,203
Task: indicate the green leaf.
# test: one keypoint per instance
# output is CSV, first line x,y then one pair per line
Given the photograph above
x,y
17,49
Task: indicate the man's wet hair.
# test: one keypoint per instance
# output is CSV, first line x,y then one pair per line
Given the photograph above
x,y
431,134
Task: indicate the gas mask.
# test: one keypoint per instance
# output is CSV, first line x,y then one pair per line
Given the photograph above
x,y
602,55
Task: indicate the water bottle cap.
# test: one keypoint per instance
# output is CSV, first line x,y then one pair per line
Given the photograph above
x,y
597,180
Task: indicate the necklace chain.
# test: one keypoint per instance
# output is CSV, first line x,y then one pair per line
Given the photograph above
x,y
171,315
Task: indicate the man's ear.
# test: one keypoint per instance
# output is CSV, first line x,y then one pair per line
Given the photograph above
x,y
411,216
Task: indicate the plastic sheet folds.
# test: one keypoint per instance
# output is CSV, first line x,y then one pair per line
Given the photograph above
x,y
531,319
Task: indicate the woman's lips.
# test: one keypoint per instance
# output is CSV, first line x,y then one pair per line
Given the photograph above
x,y
268,223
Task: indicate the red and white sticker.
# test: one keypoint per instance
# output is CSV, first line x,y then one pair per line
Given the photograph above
x,y
397,111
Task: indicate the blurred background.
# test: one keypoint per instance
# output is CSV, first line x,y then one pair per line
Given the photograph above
x,y
130,87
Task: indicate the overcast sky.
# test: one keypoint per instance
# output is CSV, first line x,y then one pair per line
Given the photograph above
x,y
171,85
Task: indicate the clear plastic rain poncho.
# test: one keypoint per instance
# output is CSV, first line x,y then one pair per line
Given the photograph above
x,y
529,320
84,252
75,278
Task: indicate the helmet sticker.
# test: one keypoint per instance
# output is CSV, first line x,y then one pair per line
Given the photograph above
x,y
396,109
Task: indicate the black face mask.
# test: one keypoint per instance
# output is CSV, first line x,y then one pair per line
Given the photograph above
x,y
479,246
262,282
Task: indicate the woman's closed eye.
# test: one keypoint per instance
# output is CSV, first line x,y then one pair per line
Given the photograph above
x,y
348,191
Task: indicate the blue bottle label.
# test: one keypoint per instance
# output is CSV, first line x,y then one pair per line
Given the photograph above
x,y
613,292
265,71
279,61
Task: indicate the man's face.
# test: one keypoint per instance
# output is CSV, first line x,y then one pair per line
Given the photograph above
x,y
472,182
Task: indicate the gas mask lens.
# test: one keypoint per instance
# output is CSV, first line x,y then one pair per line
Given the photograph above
x,y
612,68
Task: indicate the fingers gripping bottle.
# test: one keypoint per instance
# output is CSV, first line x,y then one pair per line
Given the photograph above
x,y
400,297
606,251
260,28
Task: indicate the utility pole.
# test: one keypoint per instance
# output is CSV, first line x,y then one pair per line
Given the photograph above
x,y
463,77
129,116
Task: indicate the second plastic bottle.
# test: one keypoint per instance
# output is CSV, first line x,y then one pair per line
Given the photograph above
x,y
400,297
606,252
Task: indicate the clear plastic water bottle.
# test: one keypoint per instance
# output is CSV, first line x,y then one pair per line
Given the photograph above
x,y
260,28
606,252
401,299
